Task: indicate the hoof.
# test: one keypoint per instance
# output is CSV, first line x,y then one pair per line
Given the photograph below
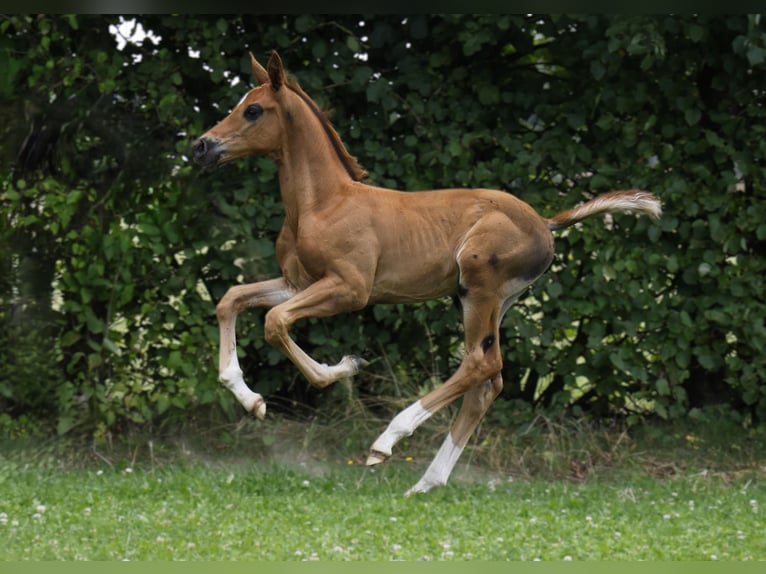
x,y
259,409
376,457
358,362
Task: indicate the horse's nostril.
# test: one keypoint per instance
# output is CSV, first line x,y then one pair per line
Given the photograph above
x,y
199,147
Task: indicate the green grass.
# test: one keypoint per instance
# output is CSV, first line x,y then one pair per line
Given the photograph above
x,y
74,505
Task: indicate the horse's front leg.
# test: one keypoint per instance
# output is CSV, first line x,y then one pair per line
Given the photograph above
x,y
237,299
328,296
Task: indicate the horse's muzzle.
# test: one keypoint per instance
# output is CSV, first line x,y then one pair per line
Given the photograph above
x,y
207,152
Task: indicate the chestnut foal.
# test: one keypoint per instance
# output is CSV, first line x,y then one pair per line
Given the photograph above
x,y
345,245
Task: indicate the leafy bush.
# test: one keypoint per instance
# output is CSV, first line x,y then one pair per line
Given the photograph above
x,y
121,248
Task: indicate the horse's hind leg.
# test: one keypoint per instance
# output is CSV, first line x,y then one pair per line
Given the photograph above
x,y
497,262
476,402
482,362
482,310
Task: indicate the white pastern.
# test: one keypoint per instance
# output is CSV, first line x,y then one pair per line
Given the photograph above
x,y
440,468
322,374
231,378
402,425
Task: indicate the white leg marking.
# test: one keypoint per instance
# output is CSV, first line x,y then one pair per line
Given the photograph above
x,y
322,374
440,468
402,425
231,378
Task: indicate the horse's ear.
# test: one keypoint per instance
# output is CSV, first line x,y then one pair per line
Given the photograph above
x,y
259,73
276,70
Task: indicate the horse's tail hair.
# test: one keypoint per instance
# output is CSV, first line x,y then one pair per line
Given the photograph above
x,y
629,201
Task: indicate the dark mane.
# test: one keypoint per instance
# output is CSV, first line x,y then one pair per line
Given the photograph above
x,y
355,171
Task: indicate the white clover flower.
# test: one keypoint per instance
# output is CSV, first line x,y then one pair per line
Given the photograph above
x,y
40,508
3,518
305,484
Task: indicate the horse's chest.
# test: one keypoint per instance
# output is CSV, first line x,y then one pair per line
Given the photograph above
x,y
301,264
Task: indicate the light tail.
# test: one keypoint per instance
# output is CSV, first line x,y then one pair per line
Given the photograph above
x,y
630,201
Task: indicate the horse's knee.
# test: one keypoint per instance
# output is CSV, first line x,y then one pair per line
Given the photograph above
x,y
230,304
225,307
275,327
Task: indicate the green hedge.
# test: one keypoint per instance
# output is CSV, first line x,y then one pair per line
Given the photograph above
x,y
114,248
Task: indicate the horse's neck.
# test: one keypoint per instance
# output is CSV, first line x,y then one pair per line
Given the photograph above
x,y
310,172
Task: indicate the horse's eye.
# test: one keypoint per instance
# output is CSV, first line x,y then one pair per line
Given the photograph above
x,y
253,112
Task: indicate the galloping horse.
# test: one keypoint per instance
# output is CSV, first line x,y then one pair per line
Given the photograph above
x,y
345,245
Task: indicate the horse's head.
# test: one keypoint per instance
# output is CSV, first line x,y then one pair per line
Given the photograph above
x,y
254,126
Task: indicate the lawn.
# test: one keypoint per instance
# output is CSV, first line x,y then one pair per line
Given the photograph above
x,y
213,509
